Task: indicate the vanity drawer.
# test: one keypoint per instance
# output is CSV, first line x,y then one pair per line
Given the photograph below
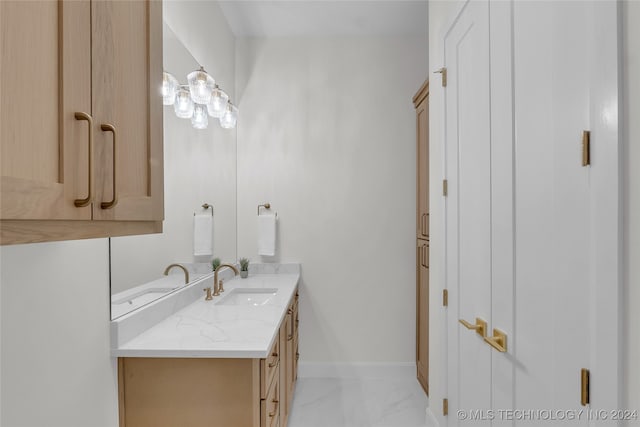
x,y
269,368
270,407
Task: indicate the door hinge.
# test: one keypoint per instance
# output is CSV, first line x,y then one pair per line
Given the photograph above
x,y
445,407
585,387
445,298
445,187
586,148
442,71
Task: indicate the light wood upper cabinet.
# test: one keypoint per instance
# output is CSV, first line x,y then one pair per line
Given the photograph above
x,y
127,75
45,79
421,102
67,69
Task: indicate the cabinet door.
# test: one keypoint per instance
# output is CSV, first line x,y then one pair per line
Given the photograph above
x,y
422,153
45,78
422,314
127,73
284,407
291,353
468,210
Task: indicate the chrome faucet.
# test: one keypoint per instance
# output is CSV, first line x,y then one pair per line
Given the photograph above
x,y
217,286
186,273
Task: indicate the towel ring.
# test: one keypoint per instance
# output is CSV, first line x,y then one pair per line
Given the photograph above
x,y
206,206
266,206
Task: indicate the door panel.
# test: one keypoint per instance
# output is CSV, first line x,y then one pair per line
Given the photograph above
x,y
131,103
422,129
502,201
546,216
45,79
553,274
468,207
422,313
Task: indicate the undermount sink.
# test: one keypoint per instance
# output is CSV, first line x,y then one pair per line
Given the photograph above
x,y
249,296
144,296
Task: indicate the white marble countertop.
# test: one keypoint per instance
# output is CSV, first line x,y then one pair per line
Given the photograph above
x,y
208,329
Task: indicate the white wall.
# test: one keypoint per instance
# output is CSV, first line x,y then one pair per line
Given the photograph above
x,y
440,15
631,196
327,136
56,369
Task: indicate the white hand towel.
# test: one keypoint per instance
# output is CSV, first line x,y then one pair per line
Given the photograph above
x,y
267,235
202,234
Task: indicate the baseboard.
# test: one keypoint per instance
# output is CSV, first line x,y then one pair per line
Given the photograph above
x,y
356,370
431,419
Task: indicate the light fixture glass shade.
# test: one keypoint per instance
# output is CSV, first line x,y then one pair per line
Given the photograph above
x,y
201,85
184,104
218,103
200,120
169,86
229,119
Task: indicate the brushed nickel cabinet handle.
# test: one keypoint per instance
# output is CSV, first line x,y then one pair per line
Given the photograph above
x,y
87,200
110,128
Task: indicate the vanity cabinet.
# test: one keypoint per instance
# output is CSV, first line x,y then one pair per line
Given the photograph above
x,y
212,392
289,365
421,103
80,119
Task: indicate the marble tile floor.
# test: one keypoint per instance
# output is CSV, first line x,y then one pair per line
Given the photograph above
x,y
336,402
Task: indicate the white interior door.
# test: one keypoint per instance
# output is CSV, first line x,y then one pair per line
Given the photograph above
x,y
531,233
557,254
468,208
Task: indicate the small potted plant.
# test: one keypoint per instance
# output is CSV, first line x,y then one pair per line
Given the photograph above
x,y
215,263
244,267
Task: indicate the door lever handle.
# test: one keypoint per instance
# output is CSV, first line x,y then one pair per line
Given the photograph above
x,y
498,340
480,327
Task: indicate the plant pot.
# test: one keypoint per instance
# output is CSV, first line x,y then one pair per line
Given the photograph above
x,y
244,274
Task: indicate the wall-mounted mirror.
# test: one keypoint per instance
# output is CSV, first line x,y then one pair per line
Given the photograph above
x,y
199,168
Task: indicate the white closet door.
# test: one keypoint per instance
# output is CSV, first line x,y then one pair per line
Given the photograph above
x,y
532,235
468,208
554,279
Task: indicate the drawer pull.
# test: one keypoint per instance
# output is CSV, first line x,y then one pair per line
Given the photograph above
x,y
275,411
274,363
110,128
87,200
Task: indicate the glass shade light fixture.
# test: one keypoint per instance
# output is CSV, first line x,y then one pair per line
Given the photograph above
x,y
201,85
198,100
169,87
184,104
200,120
229,118
218,104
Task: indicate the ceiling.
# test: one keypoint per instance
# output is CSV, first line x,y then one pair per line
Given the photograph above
x,y
267,18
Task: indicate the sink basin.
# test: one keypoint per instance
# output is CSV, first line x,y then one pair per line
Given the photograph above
x,y
144,296
249,296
